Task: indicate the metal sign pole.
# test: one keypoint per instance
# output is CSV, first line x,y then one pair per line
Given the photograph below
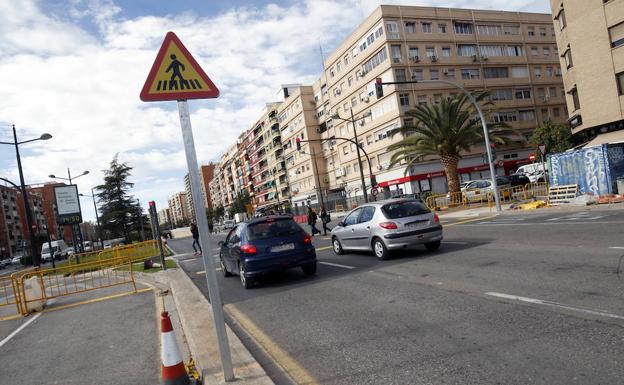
x,y
202,224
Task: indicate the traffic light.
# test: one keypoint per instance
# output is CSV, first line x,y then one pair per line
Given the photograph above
x,y
493,147
298,141
373,179
379,88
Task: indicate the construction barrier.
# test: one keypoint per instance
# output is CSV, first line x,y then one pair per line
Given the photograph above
x,y
27,289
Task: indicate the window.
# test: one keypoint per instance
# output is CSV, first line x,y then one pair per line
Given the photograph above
x,y
531,31
488,29
437,98
466,49
501,94
567,55
396,53
491,50
525,115
545,115
546,51
446,51
549,72
441,28
332,73
511,30
345,150
393,30
431,52
399,75
534,51
542,31
404,100
353,101
413,52
519,72
470,73
552,92
523,93
450,73
422,100
350,81
404,209
575,99
346,60
410,27
434,74
538,72
515,50
369,139
505,116
338,67
617,35
426,27
463,29
556,112
377,59
541,93
417,74
561,19
495,72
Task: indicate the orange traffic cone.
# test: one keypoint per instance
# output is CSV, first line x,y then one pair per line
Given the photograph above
x,y
173,371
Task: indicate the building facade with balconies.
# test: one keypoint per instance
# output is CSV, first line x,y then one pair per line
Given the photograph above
x,y
590,36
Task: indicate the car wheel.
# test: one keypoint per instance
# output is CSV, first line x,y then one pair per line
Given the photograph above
x,y
433,246
245,281
224,269
380,250
309,269
337,246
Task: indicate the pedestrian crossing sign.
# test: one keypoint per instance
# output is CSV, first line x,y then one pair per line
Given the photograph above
x,y
175,75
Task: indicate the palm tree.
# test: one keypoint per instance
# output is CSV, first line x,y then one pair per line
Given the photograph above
x,y
445,129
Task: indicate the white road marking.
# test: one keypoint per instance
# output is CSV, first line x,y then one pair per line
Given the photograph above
x,y
337,265
543,224
19,329
616,247
190,259
456,242
555,304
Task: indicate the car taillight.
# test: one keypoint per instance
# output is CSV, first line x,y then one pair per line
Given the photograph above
x,y
307,239
388,225
436,218
248,249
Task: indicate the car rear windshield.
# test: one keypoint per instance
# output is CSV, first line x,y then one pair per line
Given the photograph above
x,y
272,228
404,209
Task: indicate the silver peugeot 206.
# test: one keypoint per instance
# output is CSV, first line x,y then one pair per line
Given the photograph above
x,y
387,225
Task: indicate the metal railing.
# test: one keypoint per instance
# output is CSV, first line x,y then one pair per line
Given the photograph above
x,y
483,197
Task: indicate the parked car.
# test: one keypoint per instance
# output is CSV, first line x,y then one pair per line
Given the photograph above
x,y
387,225
88,246
59,251
518,180
534,171
17,260
5,262
266,244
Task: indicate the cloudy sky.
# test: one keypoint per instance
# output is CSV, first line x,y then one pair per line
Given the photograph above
x,y
74,69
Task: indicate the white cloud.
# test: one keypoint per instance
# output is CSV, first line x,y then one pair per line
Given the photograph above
x,y
82,85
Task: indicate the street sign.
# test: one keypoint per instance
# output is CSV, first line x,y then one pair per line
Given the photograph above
x,y
175,75
67,205
542,148
532,157
172,77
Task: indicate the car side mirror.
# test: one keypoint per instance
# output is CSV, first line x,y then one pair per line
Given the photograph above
x,y
341,224
221,243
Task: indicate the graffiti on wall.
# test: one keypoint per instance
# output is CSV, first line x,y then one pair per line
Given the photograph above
x,y
588,168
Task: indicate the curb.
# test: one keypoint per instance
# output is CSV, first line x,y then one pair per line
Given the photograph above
x,y
195,315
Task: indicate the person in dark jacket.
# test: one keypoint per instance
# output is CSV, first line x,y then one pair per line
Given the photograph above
x,y
312,217
195,234
325,219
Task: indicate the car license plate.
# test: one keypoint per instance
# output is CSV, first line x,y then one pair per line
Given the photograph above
x,y
288,246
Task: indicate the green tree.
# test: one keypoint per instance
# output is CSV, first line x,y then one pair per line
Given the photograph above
x,y
219,211
446,129
556,137
240,203
118,210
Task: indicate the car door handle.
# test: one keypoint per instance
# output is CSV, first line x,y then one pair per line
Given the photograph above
x,y
367,227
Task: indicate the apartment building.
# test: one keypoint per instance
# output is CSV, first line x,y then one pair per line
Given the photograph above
x,y
207,173
513,55
46,192
36,210
215,187
266,161
165,219
590,36
304,171
189,199
11,235
178,204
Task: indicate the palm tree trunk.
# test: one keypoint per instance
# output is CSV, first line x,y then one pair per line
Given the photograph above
x,y
450,162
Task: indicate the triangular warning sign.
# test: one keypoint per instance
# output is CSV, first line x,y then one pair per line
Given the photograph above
x,y
175,75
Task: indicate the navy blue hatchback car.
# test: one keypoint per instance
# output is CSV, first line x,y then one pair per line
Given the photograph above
x,y
265,244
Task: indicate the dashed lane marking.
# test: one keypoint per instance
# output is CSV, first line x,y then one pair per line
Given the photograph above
x,y
616,247
323,248
555,304
337,265
467,221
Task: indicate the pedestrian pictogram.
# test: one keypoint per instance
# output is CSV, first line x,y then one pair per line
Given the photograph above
x,y
175,75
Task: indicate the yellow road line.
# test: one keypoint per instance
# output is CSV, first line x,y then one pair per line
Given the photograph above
x,y
469,220
297,372
10,317
93,300
323,248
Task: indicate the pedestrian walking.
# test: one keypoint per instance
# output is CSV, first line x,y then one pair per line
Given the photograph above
x,y
312,217
195,234
325,219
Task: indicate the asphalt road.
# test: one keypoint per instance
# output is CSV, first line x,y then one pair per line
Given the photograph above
x,y
521,298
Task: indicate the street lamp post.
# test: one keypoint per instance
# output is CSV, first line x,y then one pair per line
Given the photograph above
x,y
97,217
69,178
33,249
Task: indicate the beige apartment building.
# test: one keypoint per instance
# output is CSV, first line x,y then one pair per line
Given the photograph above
x,y
189,199
306,174
513,55
590,36
179,208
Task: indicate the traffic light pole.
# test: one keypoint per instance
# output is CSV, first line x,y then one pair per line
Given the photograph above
x,y
379,90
